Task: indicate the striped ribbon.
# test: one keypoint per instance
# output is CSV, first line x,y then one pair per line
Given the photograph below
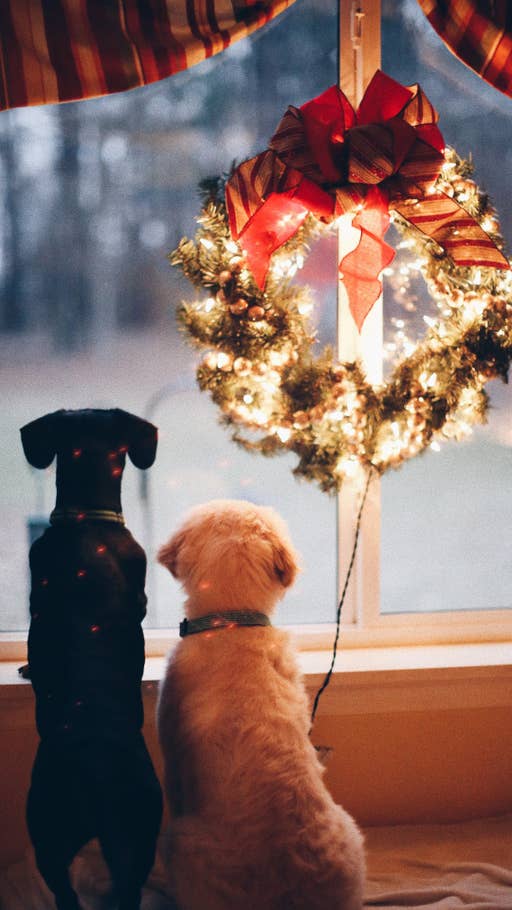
x,y
65,50
479,32
327,159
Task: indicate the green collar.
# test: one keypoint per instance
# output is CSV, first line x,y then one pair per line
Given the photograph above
x,y
223,620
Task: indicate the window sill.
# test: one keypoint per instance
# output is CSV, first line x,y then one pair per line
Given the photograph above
x,y
366,680
388,632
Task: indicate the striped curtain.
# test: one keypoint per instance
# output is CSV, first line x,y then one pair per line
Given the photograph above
x,y
479,32
64,50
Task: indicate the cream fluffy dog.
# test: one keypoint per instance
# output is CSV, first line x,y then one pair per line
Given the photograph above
x,y
252,825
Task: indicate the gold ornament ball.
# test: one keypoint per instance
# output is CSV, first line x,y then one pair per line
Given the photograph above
x,y
224,362
339,374
242,366
211,361
225,276
300,419
256,313
238,307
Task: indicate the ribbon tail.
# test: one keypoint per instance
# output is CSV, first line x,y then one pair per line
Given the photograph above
x,y
267,202
249,185
270,227
360,269
442,219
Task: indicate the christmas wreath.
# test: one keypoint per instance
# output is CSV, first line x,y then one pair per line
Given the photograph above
x,y
385,160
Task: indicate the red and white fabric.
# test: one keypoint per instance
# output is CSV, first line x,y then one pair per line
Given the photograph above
x,y
66,50
479,32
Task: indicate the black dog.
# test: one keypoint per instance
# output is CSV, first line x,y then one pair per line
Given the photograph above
x,y
92,776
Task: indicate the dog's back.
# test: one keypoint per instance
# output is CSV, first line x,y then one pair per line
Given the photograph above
x,y
86,646
256,826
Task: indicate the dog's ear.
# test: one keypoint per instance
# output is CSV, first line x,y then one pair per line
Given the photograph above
x,y
285,564
141,439
168,553
39,440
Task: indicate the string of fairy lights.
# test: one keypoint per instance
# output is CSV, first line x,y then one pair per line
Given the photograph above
x,y
278,392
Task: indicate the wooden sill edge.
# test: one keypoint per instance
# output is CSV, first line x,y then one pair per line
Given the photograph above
x,y
367,681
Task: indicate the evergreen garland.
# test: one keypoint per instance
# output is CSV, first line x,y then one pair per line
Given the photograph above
x,y
276,395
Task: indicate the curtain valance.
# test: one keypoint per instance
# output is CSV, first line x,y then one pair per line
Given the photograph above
x,y
479,32
65,50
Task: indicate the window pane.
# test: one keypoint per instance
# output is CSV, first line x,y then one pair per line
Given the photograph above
x,y
446,515
94,195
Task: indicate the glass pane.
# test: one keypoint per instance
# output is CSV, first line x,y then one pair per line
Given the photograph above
x,y
446,515
94,195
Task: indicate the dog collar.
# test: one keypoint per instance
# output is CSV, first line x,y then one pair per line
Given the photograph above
x,y
72,516
224,620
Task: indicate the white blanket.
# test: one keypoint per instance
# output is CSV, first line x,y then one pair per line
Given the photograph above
x,y
441,867
21,887
425,867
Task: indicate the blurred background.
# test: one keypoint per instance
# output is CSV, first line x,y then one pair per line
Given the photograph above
x,y
95,194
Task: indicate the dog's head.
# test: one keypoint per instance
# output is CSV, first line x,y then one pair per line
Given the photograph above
x,y
91,447
231,554
91,431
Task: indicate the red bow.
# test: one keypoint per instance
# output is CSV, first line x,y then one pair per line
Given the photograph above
x,y
327,159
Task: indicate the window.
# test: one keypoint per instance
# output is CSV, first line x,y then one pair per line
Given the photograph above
x,y
430,565
445,515
96,193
